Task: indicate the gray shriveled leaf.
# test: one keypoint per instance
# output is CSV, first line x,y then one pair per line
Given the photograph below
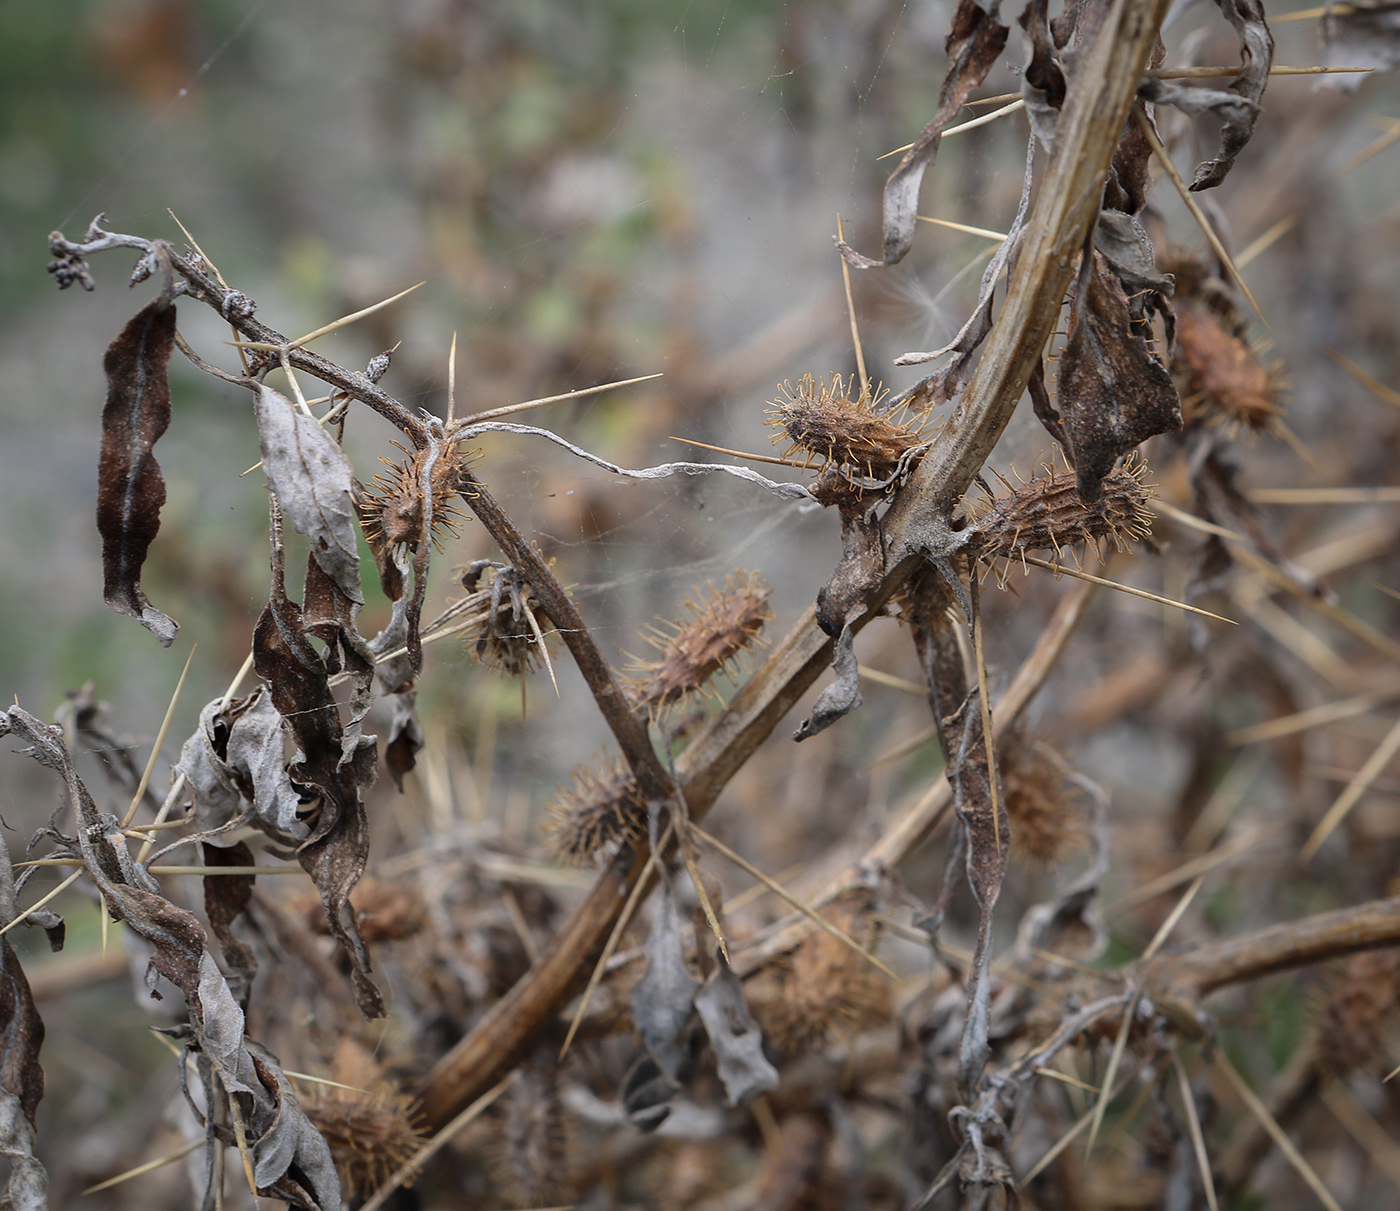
x,y
130,487
235,760
406,738
1114,393
974,44
735,1036
314,485
842,696
288,1147
226,898
28,1187
21,1078
664,999
1361,34
1238,106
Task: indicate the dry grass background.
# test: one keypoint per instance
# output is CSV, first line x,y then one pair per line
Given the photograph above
x,y
598,194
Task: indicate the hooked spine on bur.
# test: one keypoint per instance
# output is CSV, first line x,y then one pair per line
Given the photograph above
x,y
1047,514
721,627
832,421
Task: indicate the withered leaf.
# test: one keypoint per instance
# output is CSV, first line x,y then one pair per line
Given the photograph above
x,y
287,1142
1238,106
1114,393
314,485
130,487
21,1028
406,738
842,696
236,758
664,998
975,41
28,1186
735,1036
226,897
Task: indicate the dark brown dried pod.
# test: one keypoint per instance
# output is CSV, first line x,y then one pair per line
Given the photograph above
x,y
693,650
1046,813
368,1125
825,988
391,505
1220,376
600,812
1047,514
1360,1005
835,422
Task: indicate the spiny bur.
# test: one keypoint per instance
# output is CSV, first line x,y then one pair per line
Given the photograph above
x,y
1360,1005
826,989
391,504
1047,514
1046,815
694,650
595,816
835,422
1220,377
497,625
367,1126
532,1160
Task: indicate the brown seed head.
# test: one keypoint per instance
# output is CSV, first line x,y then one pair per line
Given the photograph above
x,y
826,988
600,812
1220,377
831,421
391,506
1046,514
1046,816
693,650
1352,1025
368,1126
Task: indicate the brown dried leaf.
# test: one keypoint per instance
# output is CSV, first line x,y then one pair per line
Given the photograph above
x,y
130,487
406,738
226,897
974,44
314,485
1114,393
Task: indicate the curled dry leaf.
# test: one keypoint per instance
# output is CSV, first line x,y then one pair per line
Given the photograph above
x,y
975,42
314,484
1238,106
842,696
1113,392
663,1001
130,487
226,898
234,762
1362,34
21,1078
737,1041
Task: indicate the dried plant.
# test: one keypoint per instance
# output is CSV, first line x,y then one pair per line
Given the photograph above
x,y
858,1030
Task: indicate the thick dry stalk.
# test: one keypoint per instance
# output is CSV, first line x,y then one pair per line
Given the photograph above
x,y
1095,111
1178,982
